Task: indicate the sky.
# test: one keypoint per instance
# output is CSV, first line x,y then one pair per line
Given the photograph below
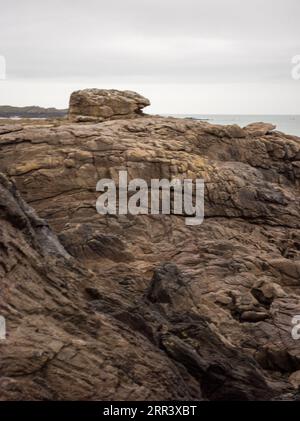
x,y
186,56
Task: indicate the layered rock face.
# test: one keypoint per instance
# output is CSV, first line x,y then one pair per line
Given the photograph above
x,y
96,105
146,307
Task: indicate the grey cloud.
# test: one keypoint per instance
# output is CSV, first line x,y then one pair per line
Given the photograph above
x,y
185,41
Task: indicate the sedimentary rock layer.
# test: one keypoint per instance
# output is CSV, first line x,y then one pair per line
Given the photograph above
x,y
145,307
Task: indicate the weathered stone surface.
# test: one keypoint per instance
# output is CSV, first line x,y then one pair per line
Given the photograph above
x,y
260,129
295,379
94,105
150,307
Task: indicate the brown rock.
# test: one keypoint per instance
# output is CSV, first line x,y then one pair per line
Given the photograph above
x,y
96,105
260,129
94,311
294,379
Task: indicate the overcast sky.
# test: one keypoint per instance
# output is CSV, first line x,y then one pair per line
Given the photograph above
x,y
187,56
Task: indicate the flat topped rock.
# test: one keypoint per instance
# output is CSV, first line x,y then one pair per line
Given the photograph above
x,y
230,131
96,105
235,131
260,129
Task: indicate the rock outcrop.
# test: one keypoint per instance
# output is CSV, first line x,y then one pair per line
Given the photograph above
x,y
144,307
96,105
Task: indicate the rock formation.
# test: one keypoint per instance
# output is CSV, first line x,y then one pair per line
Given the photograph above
x,y
144,307
96,105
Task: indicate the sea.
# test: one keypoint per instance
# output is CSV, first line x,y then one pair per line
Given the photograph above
x,y
289,124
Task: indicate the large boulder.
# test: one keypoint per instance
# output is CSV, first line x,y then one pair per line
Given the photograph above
x,y
96,105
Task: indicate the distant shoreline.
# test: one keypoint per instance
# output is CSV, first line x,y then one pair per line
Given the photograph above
x,y
286,123
7,111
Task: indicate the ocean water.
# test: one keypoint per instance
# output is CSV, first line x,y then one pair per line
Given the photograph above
x,y
289,124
